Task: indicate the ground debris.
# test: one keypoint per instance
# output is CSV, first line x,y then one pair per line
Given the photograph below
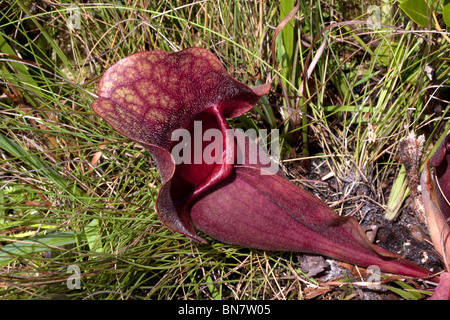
x,y
313,264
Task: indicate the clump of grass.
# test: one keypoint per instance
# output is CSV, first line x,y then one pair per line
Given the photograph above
x,y
75,193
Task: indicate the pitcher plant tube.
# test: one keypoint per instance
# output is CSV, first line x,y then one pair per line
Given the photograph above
x,y
150,96
435,187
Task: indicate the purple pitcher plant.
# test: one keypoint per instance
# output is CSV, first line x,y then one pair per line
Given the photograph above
x,y
435,187
224,187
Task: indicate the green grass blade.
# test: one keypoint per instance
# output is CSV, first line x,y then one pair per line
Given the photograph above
x,y
42,168
38,244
